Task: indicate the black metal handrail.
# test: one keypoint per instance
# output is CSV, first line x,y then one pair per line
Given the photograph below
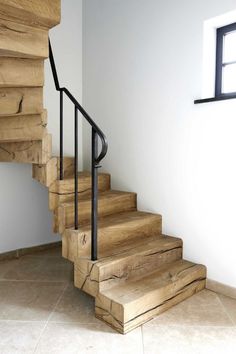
x,y
96,159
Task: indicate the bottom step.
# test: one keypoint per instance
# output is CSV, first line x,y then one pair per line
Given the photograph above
x,y
129,305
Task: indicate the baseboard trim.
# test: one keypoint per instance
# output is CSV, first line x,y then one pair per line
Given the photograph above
x,y
221,288
28,250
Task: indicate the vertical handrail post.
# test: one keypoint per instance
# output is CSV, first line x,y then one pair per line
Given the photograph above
x,y
76,169
94,195
61,136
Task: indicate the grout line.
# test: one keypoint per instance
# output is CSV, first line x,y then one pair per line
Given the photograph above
x,y
226,311
46,323
190,326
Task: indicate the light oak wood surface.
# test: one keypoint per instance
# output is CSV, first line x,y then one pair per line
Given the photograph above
x,y
49,173
23,41
131,304
38,152
114,233
23,128
61,192
35,13
138,259
17,72
109,202
21,101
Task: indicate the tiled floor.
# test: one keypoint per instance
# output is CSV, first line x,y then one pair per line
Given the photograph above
x,y
42,312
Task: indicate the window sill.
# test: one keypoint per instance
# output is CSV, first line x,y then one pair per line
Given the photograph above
x,y
214,99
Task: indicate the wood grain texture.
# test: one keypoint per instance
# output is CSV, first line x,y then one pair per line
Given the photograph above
x,y
23,128
63,191
140,258
38,152
129,305
114,232
109,202
47,174
21,72
22,41
21,101
35,13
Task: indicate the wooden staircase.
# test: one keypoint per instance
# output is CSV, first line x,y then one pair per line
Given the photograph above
x,y
139,272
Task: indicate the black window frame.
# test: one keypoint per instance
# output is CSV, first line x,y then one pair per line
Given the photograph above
x,y
221,33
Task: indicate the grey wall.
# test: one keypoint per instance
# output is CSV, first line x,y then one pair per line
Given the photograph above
x,y
142,69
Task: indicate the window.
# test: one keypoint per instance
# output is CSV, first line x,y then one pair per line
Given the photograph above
x,y
226,61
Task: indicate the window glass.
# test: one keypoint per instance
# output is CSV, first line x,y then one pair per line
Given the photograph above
x,y
229,78
230,47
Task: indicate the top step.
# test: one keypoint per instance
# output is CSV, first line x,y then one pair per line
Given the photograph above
x,y
34,13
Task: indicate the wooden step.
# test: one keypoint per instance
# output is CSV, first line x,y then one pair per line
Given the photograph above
x,y
138,259
21,101
23,128
114,232
23,41
109,202
21,72
63,191
50,172
131,304
35,13
27,152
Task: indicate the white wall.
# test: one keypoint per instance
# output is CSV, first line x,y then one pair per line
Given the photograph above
x,y
142,71
24,216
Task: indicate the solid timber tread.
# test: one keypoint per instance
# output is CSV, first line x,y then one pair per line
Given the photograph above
x,y
63,191
17,72
21,101
133,260
37,151
128,305
23,128
50,172
114,233
22,41
35,13
109,202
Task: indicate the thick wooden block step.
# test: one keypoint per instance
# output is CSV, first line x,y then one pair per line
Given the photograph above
x,y
109,202
63,191
50,172
21,101
35,13
137,260
23,128
27,152
17,72
23,41
131,304
114,233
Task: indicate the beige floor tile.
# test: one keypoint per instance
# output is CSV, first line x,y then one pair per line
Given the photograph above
x,y
88,339
52,252
230,306
189,340
75,306
41,269
6,266
28,301
19,337
202,309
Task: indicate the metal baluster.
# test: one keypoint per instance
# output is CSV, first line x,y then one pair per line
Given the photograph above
x,y
76,169
94,195
61,136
